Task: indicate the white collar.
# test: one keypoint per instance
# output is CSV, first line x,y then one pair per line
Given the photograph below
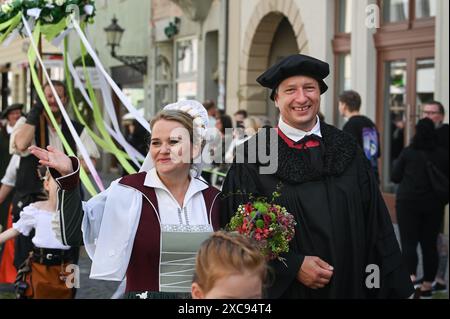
x,y
196,185
296,134
9,128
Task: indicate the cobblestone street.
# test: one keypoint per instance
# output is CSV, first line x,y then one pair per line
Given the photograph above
x,y
93,289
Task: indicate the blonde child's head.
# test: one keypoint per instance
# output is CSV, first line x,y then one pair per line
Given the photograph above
x,y
229,266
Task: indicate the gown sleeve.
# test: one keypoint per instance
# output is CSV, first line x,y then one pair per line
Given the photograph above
x,y
383,248
241,182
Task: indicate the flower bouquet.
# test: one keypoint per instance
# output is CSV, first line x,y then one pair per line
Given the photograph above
x,y
47,12
269,225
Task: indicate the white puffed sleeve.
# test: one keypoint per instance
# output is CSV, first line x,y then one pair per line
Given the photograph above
x,y
27,221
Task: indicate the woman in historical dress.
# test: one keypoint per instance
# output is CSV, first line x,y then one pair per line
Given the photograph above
x,y
146,227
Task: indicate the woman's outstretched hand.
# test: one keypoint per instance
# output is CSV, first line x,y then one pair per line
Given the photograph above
x,y
53,158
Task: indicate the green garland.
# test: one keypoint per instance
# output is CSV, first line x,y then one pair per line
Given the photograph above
x,y
52,15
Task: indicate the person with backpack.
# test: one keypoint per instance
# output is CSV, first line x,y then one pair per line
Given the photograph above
x,y
361,128
435,111
419,207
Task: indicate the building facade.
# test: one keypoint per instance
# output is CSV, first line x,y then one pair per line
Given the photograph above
x,y
16,78
188,56
133,16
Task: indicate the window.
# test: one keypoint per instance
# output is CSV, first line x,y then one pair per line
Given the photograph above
x,y
407,11
425,86
342,48
345,74
187,61
344,81
395,10
425,9
395,116
345,16
164,75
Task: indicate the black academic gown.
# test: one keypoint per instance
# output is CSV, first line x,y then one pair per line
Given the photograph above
x,y
341,217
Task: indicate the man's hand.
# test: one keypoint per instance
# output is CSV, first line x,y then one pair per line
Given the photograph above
x,y
34,115
314,273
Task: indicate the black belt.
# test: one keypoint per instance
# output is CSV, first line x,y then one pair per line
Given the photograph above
x,y
51,257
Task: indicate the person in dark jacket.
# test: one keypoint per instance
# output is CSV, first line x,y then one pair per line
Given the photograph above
x,y
435,111
419,210
361,128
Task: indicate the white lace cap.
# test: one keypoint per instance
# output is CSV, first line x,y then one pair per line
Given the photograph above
x,y
196,110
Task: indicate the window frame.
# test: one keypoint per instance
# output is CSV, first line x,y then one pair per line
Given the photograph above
x,y
412,23
341,44
193,76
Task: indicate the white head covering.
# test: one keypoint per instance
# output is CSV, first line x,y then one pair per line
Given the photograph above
x,y
198,112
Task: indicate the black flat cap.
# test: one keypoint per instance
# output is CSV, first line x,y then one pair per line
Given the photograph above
x,y
297,64
10,108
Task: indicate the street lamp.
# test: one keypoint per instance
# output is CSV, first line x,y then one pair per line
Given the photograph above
x,y
114,33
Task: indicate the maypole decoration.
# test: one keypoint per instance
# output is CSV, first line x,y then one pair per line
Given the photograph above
x,y
55,19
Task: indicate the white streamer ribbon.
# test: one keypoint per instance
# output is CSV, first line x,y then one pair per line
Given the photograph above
x,y
88,9
34,12
125,101
108,103
117,135
59,39
11,38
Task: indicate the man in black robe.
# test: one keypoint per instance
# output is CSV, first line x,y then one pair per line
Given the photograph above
x,y
344,245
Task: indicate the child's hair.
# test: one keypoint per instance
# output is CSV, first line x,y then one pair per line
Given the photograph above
x,y
43,172
44,175
225,254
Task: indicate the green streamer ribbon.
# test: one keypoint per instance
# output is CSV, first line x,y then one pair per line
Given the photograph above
x,y
50,31
10,25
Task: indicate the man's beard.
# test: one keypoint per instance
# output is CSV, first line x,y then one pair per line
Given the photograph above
x,y
57,114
